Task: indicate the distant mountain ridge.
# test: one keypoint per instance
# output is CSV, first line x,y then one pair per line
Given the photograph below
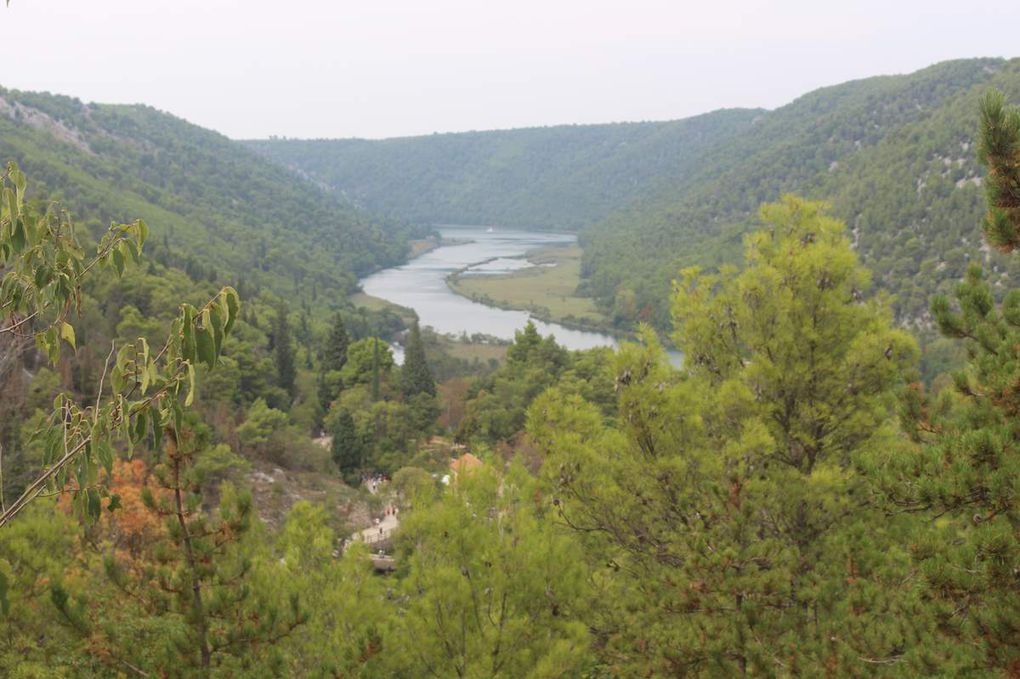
x,y
214,207
562,177
892,154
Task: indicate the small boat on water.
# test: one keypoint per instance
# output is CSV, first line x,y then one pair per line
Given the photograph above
x,y
491,229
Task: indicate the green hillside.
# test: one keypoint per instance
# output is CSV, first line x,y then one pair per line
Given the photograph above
x,y
893,155
215,208
564,177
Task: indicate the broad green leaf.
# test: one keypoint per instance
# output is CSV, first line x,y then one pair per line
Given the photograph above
x,y
118,261
67,333
217,328
105,454
143,234
206,341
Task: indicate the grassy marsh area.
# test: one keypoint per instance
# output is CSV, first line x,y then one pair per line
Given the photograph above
x,y
547,289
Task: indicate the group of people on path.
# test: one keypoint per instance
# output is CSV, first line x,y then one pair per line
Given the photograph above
x,y
374,482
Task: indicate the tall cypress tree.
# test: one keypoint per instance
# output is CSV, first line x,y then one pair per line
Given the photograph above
x,y
335,357
346,448
416,376
283,351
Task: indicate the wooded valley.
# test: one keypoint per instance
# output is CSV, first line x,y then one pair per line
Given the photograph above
x,y
213,462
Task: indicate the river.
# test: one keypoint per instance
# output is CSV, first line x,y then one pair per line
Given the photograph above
x,y
421,285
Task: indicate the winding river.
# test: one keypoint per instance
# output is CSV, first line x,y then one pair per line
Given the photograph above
x,y
421,284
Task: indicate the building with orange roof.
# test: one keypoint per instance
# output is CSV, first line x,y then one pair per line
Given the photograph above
x,y
465,464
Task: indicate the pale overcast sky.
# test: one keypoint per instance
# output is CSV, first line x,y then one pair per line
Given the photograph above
x,y
379,68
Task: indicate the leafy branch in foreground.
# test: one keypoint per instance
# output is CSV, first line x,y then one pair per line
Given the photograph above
x,y
43,269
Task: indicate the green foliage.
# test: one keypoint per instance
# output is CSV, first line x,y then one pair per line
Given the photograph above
x,y
492,586
283,351
366,359
335,355
796,329
414,486
564,177
497,404
964,468
893,155
44,267
333,361
218,211
180,601
260,424
149,389
33,551
724,512
756,513
347,447
347,603
415,375
999,152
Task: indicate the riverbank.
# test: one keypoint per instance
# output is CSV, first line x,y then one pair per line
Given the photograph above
x,y
423,245
361,299
464,348
546,290
418,248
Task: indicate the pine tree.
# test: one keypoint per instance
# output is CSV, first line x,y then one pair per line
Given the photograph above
x,y
492,586
999,151
181,600
725,508
335,356
965,468
283,351
416,376
347,449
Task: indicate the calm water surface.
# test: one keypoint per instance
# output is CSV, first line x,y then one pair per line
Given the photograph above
x,y
421,285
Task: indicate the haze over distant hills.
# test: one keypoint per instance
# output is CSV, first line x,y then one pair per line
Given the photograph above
x,y
563,177
893,154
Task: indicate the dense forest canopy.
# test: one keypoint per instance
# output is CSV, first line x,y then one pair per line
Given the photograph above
x,y
559,178
203,480
217,209
894,155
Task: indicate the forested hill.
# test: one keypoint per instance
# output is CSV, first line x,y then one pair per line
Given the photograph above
x,y
893,155
564,177
214,207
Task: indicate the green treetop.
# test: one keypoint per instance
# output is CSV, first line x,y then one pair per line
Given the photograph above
x,y
347,448
492,585
416,376
283,351
335,357
724,512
